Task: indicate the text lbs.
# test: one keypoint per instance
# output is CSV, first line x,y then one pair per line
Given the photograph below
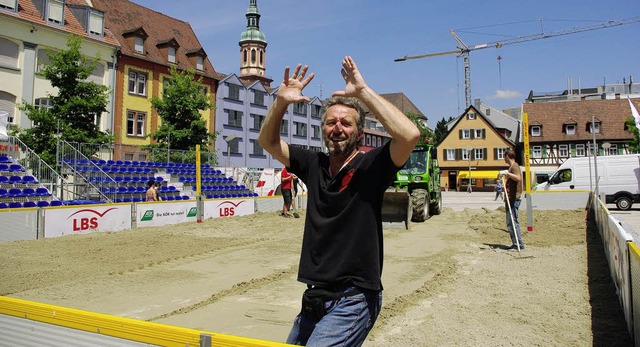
x,y
85,224
226,212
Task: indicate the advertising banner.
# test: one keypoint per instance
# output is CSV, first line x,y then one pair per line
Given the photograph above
x,y
86,219
228,208
159,214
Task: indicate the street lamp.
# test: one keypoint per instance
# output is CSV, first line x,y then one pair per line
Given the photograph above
x,y
228,139
469,148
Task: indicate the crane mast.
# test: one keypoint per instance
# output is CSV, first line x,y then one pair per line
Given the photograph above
x,y
464,50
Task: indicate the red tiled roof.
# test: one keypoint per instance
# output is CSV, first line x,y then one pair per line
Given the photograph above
x,y
122,16
554,115
403,103
27,11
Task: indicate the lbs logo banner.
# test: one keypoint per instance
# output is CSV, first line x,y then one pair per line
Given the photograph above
x,y
228,208
85,220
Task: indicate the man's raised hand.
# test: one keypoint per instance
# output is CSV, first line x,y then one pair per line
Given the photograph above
x,y
291,88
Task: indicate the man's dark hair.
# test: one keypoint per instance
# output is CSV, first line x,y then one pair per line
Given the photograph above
x,y
510,154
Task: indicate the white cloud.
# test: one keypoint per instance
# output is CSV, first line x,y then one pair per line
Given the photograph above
x,y
505,94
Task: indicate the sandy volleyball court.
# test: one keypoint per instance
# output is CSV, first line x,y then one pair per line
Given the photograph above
x,y
448,282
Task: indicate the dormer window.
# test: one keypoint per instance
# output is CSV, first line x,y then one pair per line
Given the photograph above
x,y
536,130
171,55
10,5
138,44
593,128
570,129
55,12
96,23
199,63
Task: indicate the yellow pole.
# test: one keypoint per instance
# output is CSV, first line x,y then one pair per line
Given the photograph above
x,y
527,170
199,203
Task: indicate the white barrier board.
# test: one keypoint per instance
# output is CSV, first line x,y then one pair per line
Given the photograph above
x,y
159,214
228,208
86,219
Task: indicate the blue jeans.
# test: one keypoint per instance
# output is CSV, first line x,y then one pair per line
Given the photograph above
x,y
514,230
347,321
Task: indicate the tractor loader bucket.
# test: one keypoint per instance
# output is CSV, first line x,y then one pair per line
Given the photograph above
x,y
396,206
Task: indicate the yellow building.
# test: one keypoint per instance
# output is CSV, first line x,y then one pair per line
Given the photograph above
x,y
472,153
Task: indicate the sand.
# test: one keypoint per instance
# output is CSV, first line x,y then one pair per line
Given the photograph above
x,y
448,281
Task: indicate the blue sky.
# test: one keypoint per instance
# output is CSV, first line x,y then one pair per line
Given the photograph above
x,y
320,33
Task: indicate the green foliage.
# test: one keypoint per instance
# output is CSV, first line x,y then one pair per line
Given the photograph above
x,y
76,108
426,134
634,144
441,130
182,124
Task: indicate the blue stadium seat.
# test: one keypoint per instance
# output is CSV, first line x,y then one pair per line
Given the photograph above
x,y
3,205
55,203
42,203
29,204
42,191
5,159
15,204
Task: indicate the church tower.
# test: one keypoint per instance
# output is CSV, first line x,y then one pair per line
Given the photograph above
x,y
253,45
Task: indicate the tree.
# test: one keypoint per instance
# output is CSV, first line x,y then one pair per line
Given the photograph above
x,y
76,109
441,130
426,134
179,108
630,126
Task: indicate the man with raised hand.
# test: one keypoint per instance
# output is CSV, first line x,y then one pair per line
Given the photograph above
x,y
342,247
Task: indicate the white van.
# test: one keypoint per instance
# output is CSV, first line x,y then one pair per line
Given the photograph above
x,y
618,178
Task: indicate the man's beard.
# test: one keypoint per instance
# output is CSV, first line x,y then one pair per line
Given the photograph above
x,y
343,147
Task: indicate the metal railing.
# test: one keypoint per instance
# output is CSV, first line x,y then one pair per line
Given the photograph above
x,y
34,165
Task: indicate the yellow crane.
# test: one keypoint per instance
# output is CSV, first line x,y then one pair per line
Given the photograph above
x,y
464,50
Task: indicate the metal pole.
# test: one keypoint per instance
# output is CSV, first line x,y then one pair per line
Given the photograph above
x,y
595,152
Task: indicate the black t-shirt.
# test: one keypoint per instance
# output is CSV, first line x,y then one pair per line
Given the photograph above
x,y
342,239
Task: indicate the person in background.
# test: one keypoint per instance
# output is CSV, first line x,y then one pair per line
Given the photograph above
x,y
499,190
285,186
513,190
151,194
342,247
156,186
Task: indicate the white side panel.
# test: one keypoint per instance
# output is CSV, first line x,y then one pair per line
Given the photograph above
x,y
22,332
18,225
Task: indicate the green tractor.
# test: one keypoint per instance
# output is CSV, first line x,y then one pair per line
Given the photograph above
x,y
416,191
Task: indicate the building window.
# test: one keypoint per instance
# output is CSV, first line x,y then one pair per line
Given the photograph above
x,y
258,97
300,129
7,104
171,55
41,103
56,11
500,153
613,150
233,146
368,138
136,123
234,92
9,52
96,23
471,115
257,121
235,118
97,75
379,141
563,151
284,127
199,63
536,152
591,150
256,148
535,130
138,44
570,129
466,154
465,134
580,151
479,133
451,154
478,154
8,5
137,83
315,111
316,131
594,128
300,108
